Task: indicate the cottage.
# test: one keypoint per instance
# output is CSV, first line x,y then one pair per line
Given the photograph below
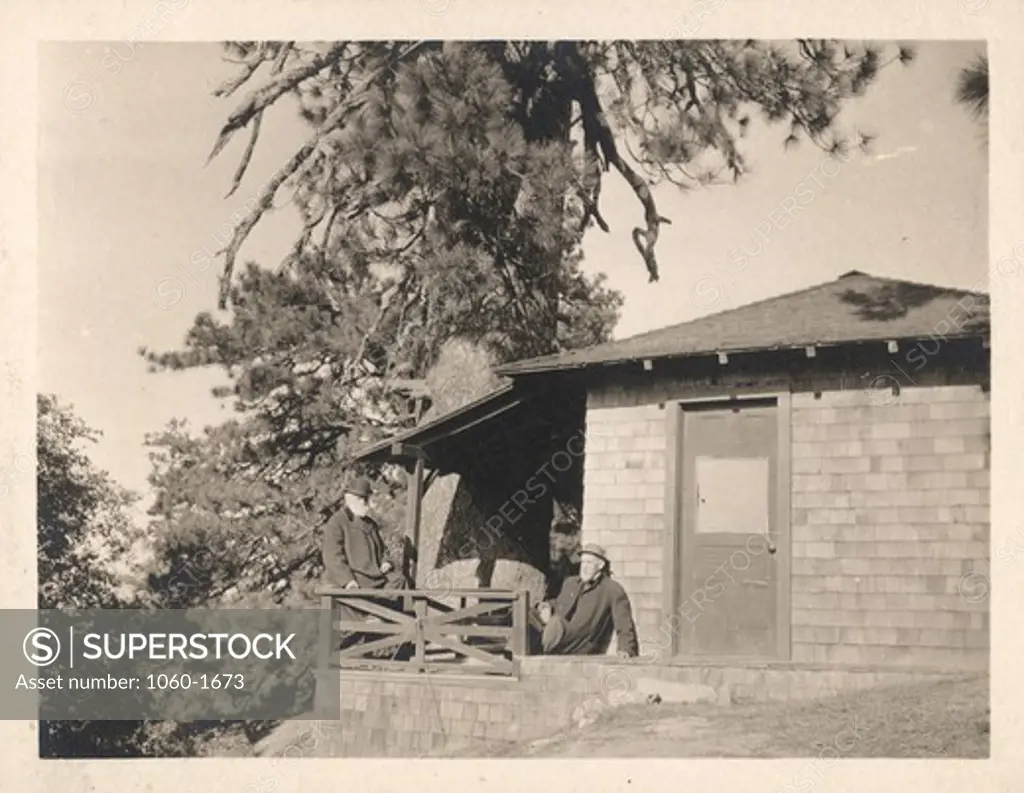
x,y
803,480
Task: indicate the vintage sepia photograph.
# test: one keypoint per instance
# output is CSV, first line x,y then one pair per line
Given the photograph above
x,y
596,398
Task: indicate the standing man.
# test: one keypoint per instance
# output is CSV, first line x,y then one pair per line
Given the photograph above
x,y
590,607
354,552
356,557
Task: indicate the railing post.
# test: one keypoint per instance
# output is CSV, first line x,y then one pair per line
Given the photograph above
x,y
327,643
520,623
420,610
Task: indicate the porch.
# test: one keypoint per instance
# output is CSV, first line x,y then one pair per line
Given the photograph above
x,y
485,482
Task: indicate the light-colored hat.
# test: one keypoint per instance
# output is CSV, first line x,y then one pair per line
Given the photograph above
x,y
596,550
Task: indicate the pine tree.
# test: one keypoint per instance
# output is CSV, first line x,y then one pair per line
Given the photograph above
x,y
972,87
445,190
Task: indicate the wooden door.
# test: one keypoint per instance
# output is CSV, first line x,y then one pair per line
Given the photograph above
x,y
730,592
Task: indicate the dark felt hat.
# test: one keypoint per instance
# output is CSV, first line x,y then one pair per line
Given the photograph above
x,y
360,486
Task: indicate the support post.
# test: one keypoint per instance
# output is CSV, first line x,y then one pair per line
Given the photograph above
x,y
326,637
414,509
520,624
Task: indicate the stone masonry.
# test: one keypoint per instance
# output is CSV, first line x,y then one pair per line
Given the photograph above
x,y
889,512
385,714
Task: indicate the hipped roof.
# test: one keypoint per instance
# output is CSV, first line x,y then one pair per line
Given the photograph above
x,y
856,307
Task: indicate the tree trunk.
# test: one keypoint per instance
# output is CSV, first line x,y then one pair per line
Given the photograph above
x,y
550,122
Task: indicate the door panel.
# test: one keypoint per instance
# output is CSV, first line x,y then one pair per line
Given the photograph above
x,y
730,532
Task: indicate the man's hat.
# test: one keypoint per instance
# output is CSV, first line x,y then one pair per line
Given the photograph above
x,y
596,550
360,486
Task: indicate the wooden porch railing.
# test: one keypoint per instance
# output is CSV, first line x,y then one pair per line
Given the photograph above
x,y
479,630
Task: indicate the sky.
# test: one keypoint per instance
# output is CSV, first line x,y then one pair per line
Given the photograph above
x,y
129,211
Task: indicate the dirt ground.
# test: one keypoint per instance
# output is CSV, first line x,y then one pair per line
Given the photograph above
x,y
927,720
937,719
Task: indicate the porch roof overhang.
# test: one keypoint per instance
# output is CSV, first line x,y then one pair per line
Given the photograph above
x,y
420,442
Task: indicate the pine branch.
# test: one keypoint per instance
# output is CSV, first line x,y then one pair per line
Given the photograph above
x,y
243,165
266,199
591,193
249,68
282,56
268,94
594,115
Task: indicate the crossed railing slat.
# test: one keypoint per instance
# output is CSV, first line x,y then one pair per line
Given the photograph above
x,y
422,624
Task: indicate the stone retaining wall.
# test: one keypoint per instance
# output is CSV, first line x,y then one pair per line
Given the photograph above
x,y
388,714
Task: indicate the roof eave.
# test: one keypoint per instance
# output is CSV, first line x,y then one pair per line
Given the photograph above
x,y
514,370
411,441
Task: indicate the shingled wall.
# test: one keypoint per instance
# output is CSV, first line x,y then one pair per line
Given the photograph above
x,y
889,509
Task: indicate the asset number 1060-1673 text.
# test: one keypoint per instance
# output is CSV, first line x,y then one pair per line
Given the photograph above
x,y
200,682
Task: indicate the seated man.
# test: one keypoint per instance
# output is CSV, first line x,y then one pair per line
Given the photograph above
x,y
588,610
